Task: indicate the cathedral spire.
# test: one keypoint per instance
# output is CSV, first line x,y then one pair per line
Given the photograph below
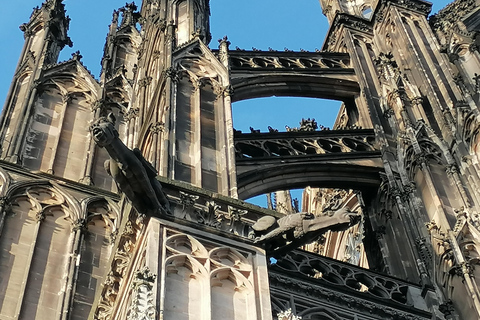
x,y
123,40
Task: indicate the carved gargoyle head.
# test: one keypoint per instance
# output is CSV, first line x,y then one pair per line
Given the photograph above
x,y
103,130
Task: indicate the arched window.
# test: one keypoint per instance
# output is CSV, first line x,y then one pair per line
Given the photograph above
x,y
367,12
182,22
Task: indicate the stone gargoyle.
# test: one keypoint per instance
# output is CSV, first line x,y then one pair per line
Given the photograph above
x,y
298,228
134,175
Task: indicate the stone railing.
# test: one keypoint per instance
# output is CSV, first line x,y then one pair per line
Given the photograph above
x,y
276,60
342,283
280,144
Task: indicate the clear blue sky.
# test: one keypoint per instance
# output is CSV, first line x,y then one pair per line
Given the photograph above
x,y
277,24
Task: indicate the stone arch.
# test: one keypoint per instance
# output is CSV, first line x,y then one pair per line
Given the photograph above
x,y
427,151
101,208
181,20
226,256
185,278
99,227
274,84
39,241
62,111
185,244
310,173
232,295
38,192
431,183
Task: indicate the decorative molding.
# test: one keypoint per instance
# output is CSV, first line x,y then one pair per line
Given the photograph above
x,y
278,144
171,73
80,225
316,289
157,127
187,200
132,113
143,303
288,315
302,61
144,82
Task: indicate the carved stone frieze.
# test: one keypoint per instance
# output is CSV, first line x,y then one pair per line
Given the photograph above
x,y
188,200
421,7
210,217
447,308
171,73
272,60
388,66
303,143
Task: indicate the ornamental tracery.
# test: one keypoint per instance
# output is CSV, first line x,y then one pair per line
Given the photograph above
x,y
303,143
278,60
428,153
340,275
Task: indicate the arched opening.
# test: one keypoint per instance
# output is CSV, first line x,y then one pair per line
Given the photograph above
x,y
283,114
367,12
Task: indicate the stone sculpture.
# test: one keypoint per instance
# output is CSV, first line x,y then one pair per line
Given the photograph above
x,y
134,175
297,227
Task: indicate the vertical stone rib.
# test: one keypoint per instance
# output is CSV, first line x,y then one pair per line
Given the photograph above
x,y
195,146
70,286
26,275
51,163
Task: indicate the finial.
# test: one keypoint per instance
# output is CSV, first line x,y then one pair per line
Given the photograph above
x,y
130,17
76,55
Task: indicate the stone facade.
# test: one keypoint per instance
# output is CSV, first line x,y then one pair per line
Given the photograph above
x,y
403,154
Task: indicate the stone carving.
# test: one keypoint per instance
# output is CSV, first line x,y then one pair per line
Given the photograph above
x,y
347,278
134,175
277,144
446,20
143,305
306,125
297,226
257,59
288,315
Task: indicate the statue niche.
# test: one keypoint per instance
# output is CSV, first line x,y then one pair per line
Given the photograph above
x,y
296,229
133,174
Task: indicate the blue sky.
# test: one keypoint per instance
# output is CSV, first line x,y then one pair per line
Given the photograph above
x,y
262,24
250,23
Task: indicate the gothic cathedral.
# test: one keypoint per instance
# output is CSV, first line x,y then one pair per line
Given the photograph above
x,y
121,198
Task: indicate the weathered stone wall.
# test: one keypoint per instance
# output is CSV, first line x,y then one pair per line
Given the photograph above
x,y
53,245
